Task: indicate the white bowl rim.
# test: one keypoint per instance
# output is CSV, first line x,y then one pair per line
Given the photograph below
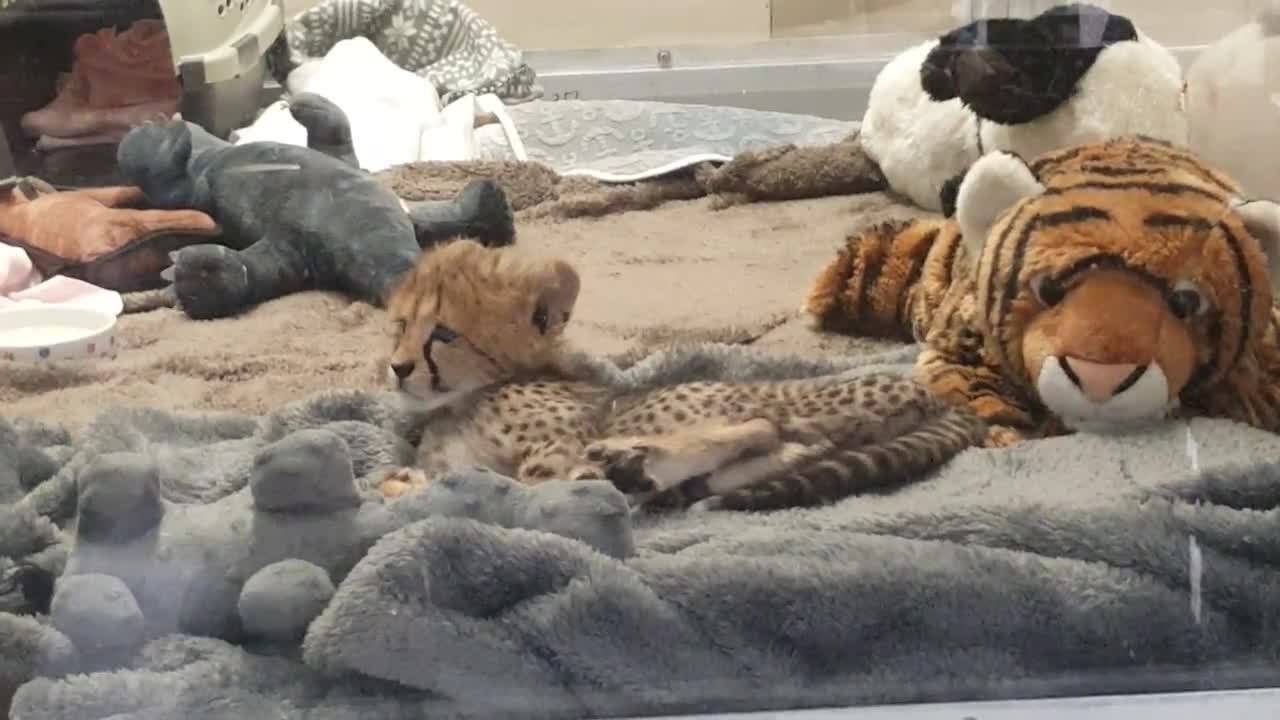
x,y
96,321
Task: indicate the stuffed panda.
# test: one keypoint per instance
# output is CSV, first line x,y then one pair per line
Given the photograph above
x,y
1072,74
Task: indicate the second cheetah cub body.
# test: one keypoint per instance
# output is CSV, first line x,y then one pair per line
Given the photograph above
x,y
479,336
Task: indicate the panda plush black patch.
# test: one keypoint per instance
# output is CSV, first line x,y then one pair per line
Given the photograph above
x,y
1072,74
1012,70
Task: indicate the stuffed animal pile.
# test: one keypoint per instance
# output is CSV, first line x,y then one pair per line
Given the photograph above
x,y
1072,74
1075,73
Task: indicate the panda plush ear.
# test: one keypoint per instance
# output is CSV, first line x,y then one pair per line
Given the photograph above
x,y
992,185
1262,220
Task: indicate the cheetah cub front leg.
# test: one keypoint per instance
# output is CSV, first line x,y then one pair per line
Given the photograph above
x,y
648,465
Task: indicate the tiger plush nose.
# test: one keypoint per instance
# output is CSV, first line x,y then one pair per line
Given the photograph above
x,y
1100,381
402,370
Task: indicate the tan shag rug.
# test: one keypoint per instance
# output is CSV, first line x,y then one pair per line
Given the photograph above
x,y
680,270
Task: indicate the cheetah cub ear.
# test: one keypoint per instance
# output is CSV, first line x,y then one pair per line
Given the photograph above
x,y
556,288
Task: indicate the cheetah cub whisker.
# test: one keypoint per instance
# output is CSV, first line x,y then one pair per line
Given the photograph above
x,y
479,338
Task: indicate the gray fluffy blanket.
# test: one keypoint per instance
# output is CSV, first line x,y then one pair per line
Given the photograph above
x,y
1078,564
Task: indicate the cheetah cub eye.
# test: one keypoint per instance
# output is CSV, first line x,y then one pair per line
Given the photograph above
x,y
443,335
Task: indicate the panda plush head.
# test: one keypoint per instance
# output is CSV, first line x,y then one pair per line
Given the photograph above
x,y
1012,70
1071,75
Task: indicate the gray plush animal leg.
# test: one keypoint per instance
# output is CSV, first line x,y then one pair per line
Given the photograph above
x,y
213,281
373,276
328,129
480,211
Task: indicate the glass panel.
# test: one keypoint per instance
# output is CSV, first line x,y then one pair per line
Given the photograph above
x,y
563,24
620,358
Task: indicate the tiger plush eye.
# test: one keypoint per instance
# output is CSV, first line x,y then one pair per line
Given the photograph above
x,y
1047,290
1186,301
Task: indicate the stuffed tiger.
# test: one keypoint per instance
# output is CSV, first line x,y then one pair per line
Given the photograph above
x,y
1097,287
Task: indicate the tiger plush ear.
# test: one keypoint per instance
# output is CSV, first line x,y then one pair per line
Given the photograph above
x,y
1262,220
992,185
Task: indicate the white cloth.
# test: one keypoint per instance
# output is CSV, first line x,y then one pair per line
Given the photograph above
x,y
274,124
396,116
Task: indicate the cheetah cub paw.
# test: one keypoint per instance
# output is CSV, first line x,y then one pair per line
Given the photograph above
x,y
401,481
587,472
624,465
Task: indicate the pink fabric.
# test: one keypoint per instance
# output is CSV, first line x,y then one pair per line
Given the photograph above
x,y
129,68
21,285
16,271
117,81
65,118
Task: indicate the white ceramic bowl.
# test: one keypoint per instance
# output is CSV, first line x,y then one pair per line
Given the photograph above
x,y
45,333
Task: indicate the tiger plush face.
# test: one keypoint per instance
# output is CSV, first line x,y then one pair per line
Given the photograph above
x,y
1113,278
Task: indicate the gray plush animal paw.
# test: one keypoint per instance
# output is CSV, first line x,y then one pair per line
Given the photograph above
x,y
99,613
261,561
24,464
591,511
328,130
281,599
210,281
307,470
481,210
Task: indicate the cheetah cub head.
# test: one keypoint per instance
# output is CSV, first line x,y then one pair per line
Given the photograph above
x,y
467,316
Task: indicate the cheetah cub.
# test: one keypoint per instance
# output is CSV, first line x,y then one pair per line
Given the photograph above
x,y
479,338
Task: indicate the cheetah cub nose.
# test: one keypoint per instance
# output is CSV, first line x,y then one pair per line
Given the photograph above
x,y
402,370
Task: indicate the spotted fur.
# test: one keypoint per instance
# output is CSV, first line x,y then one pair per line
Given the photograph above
x,y
479,334
1099,265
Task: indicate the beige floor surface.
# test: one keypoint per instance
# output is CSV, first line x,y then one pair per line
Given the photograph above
x,y
682,271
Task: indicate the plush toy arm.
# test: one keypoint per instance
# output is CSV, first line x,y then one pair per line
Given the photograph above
x,y
480,210
887,281
328,129
214,281
1251,395
789,172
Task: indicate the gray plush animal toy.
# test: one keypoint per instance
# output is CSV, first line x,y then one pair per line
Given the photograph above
x,y
262,563
294,218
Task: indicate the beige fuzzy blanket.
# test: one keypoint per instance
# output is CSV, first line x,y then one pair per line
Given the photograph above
x,y
679,270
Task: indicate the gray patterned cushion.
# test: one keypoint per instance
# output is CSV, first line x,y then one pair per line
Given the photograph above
x,y
443,40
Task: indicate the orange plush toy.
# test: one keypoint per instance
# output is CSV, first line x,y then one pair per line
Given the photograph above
x,y
1099,287
99,235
